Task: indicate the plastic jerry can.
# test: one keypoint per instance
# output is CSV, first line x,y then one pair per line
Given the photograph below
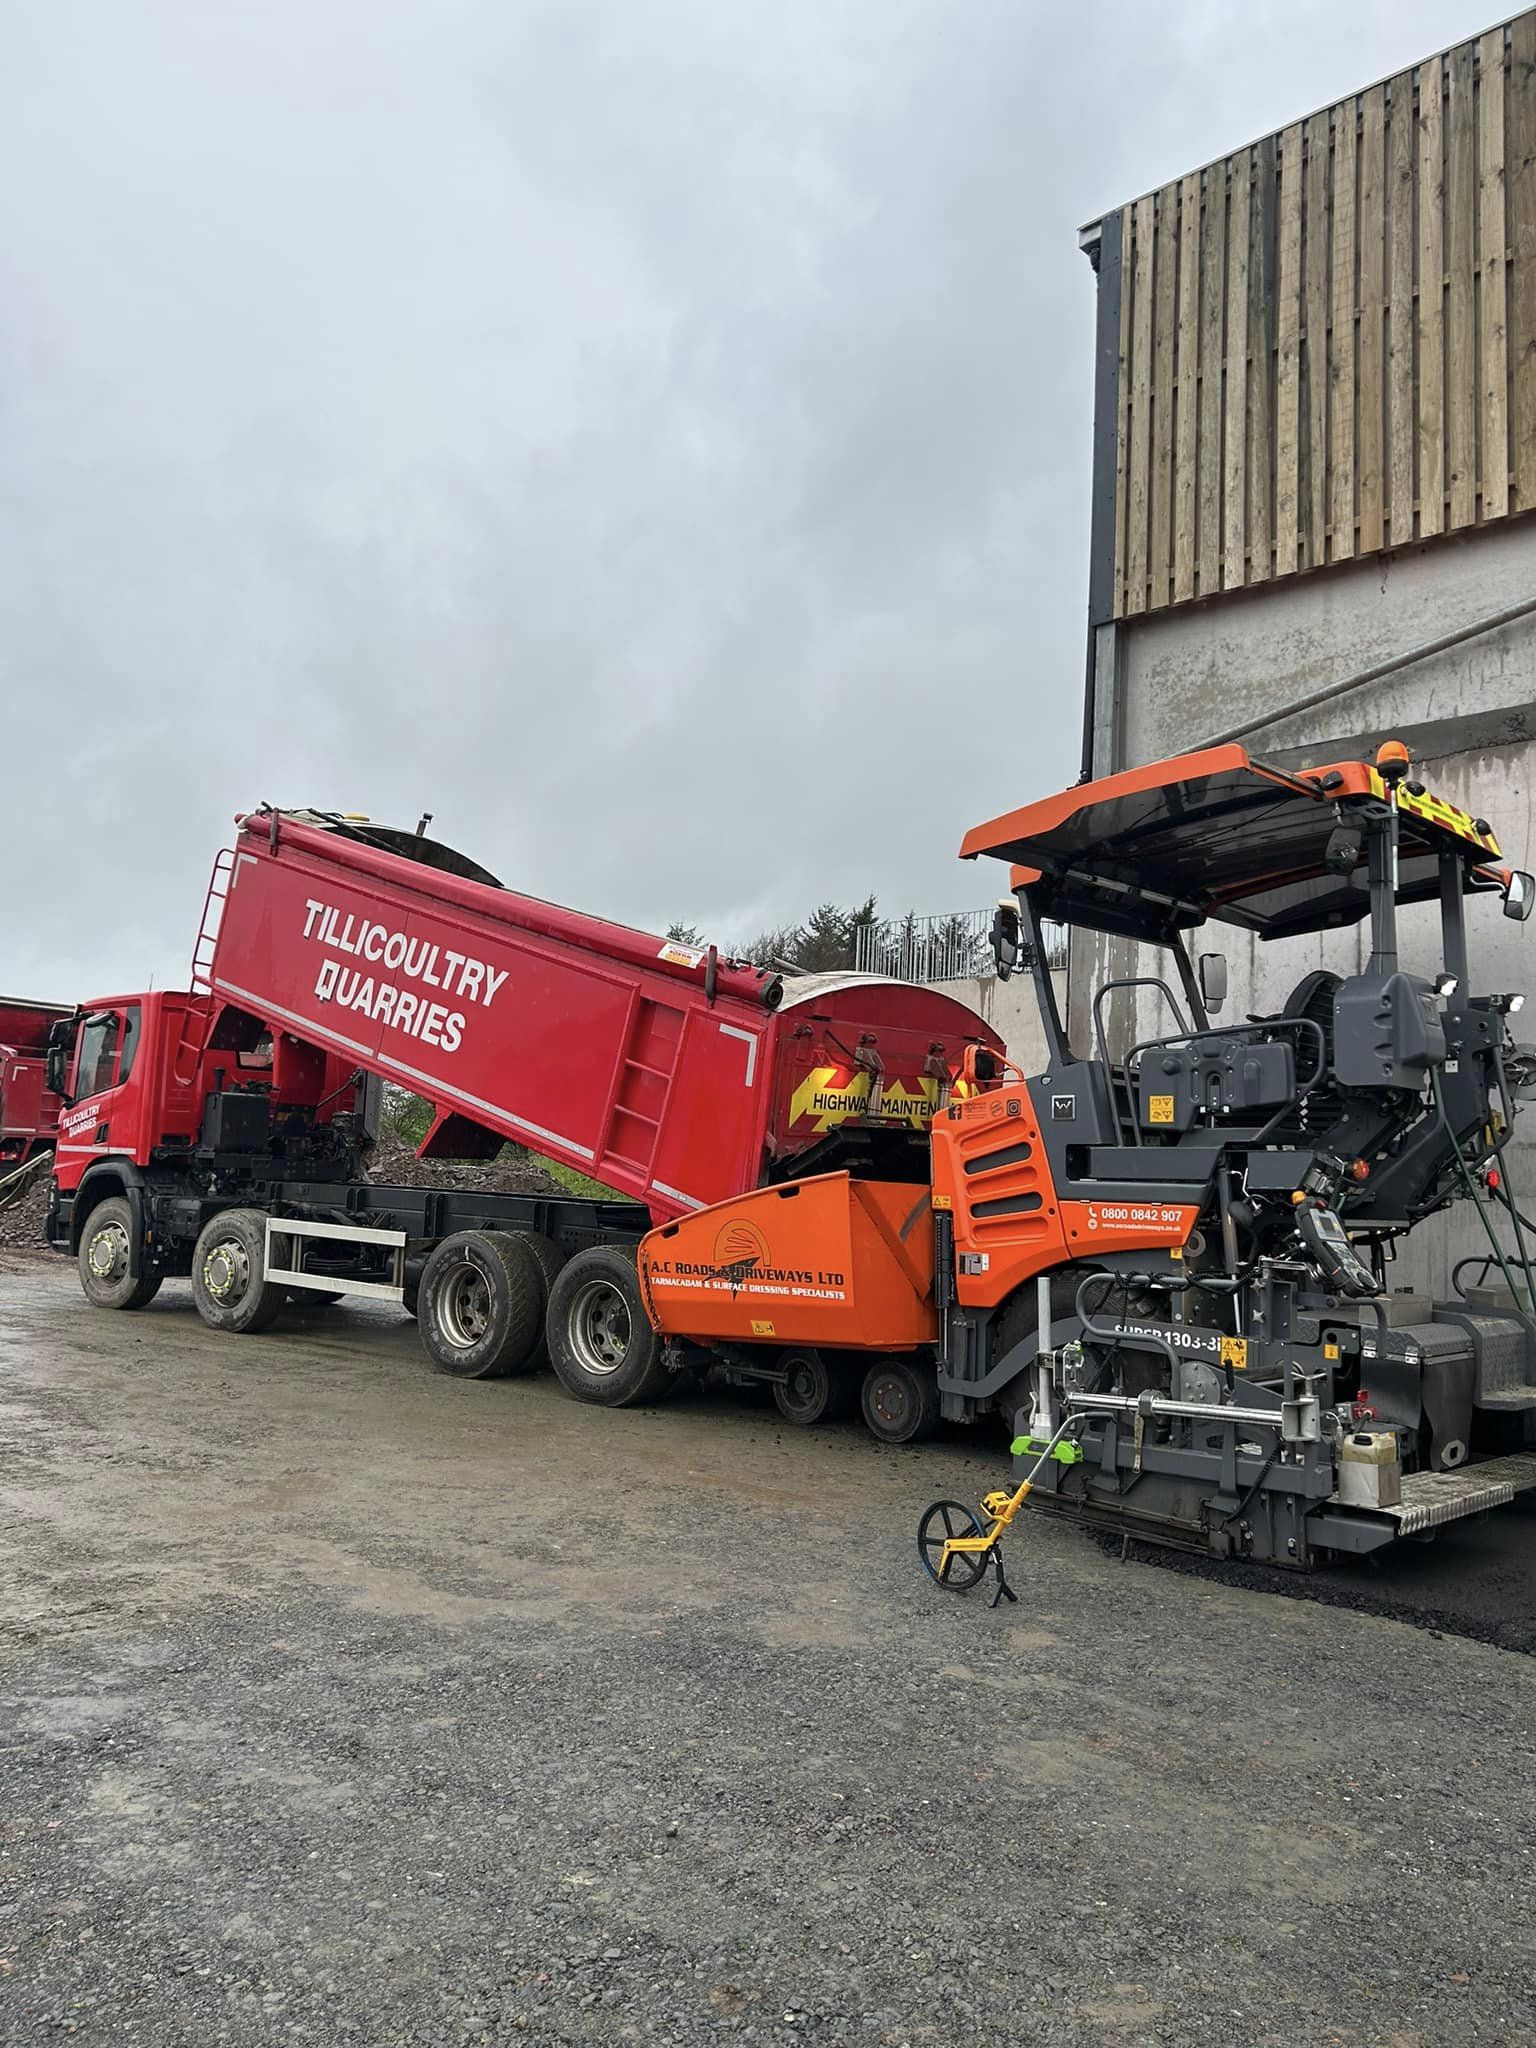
x,y
1370,1470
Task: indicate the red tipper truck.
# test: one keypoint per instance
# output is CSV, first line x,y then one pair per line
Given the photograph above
x,y
29,1109
223,1133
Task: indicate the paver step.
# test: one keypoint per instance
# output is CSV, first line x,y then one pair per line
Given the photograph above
x,y
1433,1498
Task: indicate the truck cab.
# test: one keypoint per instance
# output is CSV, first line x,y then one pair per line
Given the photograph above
x,y
162,1088
29,1108
114,1066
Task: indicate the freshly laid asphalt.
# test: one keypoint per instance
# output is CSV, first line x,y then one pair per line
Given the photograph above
x,y
1475,1578
342,1702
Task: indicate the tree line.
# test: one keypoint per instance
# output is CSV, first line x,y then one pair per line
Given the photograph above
x,y
828,941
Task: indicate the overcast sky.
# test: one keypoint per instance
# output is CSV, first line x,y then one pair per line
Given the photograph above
x,y
652,435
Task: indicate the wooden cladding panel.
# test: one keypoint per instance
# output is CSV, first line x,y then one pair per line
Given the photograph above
x,y
1461,378
1402,312
1261,355
1370,378
1138,482
1492,280
1164,401
1213,279
1328,340
1187,447
1341,347
1520,187
1314,339
1430,395
1235,467
1288,354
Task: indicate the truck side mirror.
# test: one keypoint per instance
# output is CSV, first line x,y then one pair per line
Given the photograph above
x,y
56,1058
1520,895
1341,856
1213,980
1005,937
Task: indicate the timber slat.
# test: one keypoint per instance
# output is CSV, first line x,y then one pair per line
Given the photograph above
x,y
1164,314
1341,340
1186,438
1288,352
1371,342
1314,352
1123,410
1213,259
1402,246
1234,468
1138,481
1261,360
1520,142
1492,282
1461,378
1431,320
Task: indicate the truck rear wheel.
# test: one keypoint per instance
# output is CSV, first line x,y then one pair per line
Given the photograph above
x,y
229,1274
814,1388
478,1305
550,1260
601,1343
900,1400
106,1255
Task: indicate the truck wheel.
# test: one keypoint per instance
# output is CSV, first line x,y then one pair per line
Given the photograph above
x,y
814,1389
229,1274
900,1400
106,1246
601,1343
522,1249
550,1260
478,1305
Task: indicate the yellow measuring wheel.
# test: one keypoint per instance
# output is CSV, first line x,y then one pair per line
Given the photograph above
x,y
955,1550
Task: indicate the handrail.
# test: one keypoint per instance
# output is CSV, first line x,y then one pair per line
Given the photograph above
x,y
1101,1042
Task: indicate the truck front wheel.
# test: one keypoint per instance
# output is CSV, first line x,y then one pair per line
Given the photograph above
x,y
229,1274
601,1343
478,1305
106,1257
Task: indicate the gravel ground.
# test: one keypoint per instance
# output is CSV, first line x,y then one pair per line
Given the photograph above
x,y
342,1702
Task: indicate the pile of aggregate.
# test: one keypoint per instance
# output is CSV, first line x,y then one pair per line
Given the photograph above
x,y
393,1161
23,1214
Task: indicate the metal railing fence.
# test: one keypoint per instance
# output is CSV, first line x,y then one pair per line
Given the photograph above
x,y
949,946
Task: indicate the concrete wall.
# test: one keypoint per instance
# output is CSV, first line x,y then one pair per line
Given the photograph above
x,y
1198,669
1010,1008
1468,715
